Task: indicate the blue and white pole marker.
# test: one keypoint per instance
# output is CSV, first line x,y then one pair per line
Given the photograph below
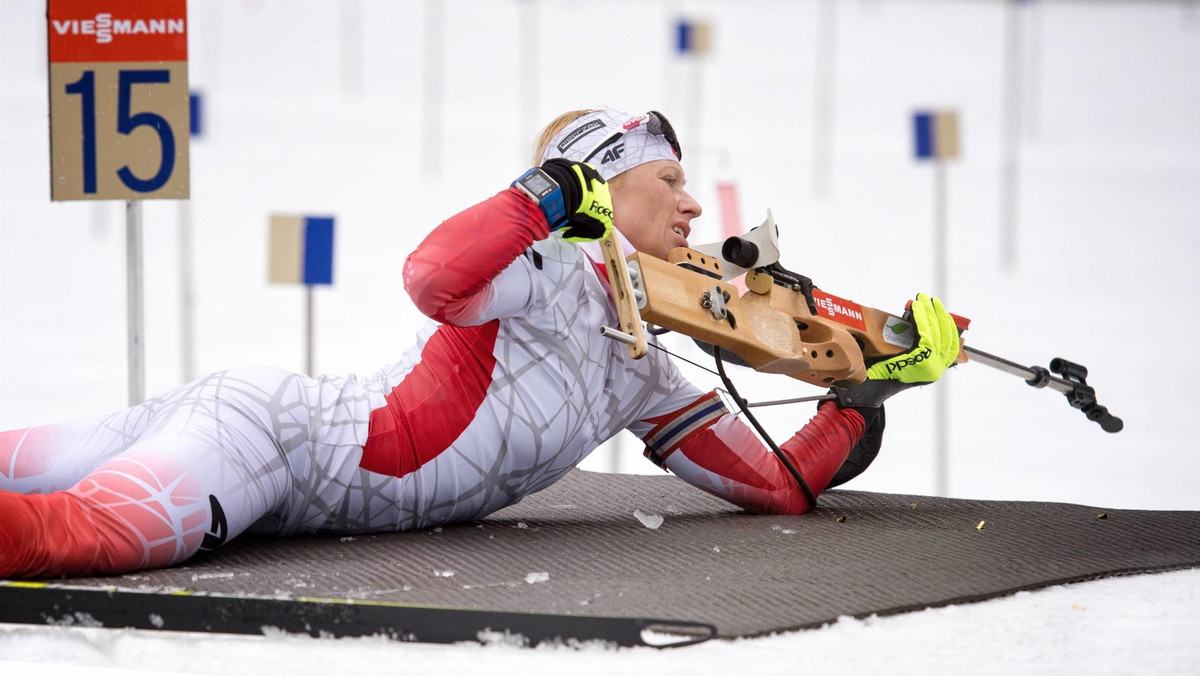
x,y
935,139
196,113
301,252
693,38
935,135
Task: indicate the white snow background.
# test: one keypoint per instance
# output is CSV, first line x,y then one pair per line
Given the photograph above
x,y
369,129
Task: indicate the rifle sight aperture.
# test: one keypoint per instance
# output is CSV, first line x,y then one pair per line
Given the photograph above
x,y
1069,369
740,251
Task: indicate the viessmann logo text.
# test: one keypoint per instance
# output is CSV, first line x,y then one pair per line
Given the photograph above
x,y
104,27
837,310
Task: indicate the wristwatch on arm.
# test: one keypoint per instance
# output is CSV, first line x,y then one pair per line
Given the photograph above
x,y
546,193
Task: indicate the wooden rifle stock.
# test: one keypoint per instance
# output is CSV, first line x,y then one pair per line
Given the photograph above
x,y
815,337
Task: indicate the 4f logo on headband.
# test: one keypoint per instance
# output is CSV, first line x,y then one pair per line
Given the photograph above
x,y
613,153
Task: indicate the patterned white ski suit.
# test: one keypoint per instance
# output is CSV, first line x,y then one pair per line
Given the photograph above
x,y
509,389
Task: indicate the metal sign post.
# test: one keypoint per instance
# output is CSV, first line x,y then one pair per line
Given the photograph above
x,y
119,119
824,108
300,251
187,295
134,301
1010,132
935,137
433,88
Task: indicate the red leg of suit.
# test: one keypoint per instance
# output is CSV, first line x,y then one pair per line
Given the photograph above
x,y
121,517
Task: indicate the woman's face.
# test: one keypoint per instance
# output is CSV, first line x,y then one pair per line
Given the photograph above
x,y
651,208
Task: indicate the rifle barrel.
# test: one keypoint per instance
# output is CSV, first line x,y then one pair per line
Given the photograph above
x,y
1023,372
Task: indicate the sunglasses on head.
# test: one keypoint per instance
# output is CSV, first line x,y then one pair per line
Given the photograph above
x,y
654,122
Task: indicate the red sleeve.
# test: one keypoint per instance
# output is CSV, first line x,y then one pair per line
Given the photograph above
x,y
458,259
710,448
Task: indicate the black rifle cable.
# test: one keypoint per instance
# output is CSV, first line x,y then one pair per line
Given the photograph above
x,y
742,404
744,407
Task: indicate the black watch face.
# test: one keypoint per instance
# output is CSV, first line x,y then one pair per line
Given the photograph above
x,y
539,185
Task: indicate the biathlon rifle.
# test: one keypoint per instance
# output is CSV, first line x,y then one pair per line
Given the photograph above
x,y
783,323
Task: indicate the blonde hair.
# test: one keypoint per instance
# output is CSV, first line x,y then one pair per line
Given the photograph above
x,y
556,125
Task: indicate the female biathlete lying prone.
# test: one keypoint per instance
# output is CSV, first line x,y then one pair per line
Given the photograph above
x,y
509,387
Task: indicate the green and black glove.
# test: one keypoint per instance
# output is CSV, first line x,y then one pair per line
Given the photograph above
x,y
586,198
936,349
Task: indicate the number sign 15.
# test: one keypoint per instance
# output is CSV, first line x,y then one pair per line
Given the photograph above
x,y
119,109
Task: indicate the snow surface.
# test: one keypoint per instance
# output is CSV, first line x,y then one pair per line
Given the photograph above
x,y
1108,206
1143,624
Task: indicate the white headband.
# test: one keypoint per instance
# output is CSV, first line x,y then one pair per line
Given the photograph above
x,y
624,141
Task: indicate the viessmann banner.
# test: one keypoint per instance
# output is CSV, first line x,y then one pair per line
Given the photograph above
x,y
119,111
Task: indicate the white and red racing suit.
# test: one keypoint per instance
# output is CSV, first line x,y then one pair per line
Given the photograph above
x,y
510,387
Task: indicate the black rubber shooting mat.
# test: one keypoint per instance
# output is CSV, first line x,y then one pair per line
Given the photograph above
x,y
578,548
